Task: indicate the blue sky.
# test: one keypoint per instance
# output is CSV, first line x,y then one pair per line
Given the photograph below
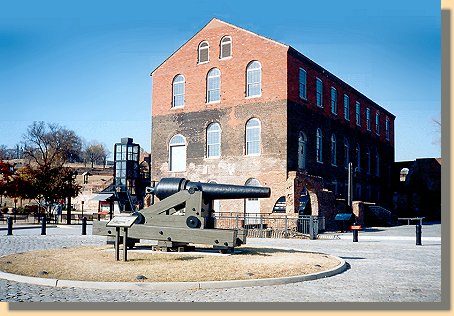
x,y
86,64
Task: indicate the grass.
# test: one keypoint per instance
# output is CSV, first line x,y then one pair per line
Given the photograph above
x,y
98,264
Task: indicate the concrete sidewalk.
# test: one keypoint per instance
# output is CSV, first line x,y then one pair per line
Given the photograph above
x,y
384,266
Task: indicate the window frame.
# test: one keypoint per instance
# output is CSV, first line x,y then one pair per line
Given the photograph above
x,y
319,94
302,86
377,122
368,122
358,113
387,128
333,92
178,144
250,84
346,107
319,146
174,83
208,90
346,153
333,150
222,45
199,51
218,140
247,130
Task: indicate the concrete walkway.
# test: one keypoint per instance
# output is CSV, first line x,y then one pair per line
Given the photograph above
x,y
384,266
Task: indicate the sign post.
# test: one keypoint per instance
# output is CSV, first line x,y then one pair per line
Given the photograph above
x,y
118,222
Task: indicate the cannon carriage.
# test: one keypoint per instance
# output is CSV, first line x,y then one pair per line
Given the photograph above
x,y
184,215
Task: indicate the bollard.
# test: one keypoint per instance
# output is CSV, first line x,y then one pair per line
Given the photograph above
x,y
84,226
355,235
418,234
9,221
43,225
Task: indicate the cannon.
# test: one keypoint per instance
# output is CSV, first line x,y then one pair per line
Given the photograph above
x,y
184,215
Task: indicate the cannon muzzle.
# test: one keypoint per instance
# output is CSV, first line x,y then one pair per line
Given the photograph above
x,y
212,191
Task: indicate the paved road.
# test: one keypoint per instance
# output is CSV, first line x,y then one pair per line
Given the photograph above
x,y
384,266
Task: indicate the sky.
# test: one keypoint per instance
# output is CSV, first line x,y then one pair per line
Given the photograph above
x,y
86,64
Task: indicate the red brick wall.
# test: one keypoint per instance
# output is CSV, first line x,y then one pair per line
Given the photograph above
x,y
246,47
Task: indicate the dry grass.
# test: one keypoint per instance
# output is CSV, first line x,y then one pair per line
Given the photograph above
x,y
98,264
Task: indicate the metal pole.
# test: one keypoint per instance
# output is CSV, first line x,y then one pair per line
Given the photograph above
x,y
311,228
84,225
68,211
125,240
350,185
43,225
117,244
355,235
418,234
286,226
9,221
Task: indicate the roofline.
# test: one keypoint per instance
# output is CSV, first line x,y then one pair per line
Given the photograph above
x,y
231,25
293,51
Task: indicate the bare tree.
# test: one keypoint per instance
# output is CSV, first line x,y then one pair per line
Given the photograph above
x,y
96,153
50,144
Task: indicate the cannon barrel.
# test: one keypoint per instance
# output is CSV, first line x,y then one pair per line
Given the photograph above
x,y
213,191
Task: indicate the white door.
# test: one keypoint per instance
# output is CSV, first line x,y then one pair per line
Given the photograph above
x,y
252,205
178,158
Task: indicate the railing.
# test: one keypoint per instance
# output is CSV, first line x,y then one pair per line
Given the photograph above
x,y
271,225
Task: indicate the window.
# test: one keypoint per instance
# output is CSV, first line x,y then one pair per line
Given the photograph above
x,y
226,47
213,140
377,123
177,153
254,79
346,107
319,93
302,141
214,85
358,114
178,92
368,160
333,100
387,128
319,145
204,49
346,153
333,150
302,78
377,163
253,137
368,119
358,158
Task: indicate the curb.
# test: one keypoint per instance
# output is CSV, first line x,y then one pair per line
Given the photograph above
x,y
175,285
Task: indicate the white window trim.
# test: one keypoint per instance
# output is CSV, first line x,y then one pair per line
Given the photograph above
x,y
347,114
220,136
368,121
198,53
377,123
260,138
220,93
247,83
358,113
173,92
220,47
169,153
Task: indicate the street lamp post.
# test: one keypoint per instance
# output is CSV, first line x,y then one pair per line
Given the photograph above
x,y
15,209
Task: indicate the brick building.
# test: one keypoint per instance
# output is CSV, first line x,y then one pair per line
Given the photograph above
x,y
231,106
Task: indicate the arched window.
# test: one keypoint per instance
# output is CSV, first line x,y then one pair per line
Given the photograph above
x,y
254,79
319,148
226,47
333,150
302,141
346,153
178,91
204,49
358,158
213,140
214,85
253,130
177,153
